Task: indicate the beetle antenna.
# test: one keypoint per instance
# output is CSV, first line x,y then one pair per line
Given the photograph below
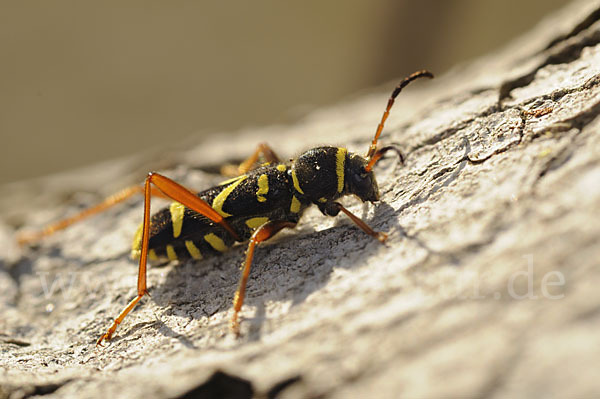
x,y
419,74
379,153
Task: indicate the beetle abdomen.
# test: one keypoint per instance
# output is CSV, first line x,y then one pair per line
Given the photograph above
x,y
246,202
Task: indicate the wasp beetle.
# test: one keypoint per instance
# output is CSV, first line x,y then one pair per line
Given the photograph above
x,y
251,207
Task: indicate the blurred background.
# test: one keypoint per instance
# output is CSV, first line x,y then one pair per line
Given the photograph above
x,y
88,81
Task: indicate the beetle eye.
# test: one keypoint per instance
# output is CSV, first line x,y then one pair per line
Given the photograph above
x,y
362,173
361,179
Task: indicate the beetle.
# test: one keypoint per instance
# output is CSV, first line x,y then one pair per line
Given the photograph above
x,y
252,206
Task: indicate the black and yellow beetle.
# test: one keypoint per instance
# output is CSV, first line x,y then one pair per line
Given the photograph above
x,y
252,207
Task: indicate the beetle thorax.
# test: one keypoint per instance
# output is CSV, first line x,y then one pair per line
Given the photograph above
x,y
327,173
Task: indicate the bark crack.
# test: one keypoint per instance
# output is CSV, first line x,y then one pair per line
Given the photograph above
x,y
569,50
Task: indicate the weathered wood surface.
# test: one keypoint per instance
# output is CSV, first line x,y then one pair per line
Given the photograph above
x,y
487,286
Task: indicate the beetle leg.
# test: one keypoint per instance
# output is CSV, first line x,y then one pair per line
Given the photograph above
x,y
359,222
261,234
177,192
249,164
29,237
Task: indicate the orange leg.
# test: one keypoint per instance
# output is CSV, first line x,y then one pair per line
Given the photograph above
x,y
365,227
261,234
182,195
263,149
29,237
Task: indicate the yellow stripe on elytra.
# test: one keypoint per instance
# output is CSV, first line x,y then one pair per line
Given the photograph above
x,y
295,206
281,167
171,253
215,242
136,245
177,211
340,160
296,183
152,255
193,250
228,181
263,188
254,223
220,199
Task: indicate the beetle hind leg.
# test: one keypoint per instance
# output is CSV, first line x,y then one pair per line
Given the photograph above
x,y
29,237
177,193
